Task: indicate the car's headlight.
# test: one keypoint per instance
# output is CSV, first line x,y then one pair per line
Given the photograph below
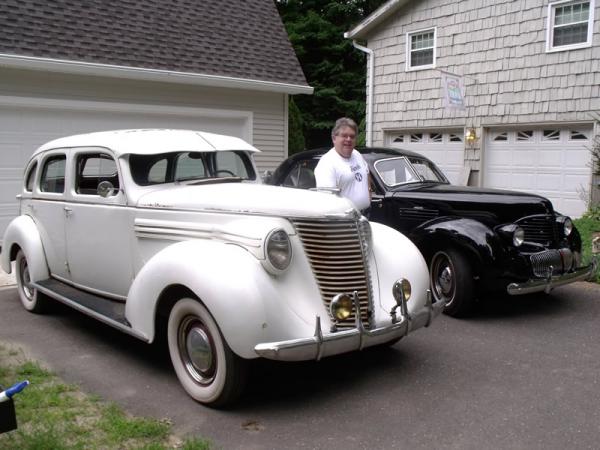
x,y
565,224
513,233
278,249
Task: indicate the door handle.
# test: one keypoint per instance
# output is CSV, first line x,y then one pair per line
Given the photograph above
x,y
68,211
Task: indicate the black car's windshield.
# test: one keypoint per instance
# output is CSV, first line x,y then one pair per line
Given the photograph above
x,y
408,169
185,166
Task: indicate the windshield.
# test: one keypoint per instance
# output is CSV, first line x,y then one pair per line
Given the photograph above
x,y
408,169
185,166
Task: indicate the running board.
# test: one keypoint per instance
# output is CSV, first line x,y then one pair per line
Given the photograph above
x,y
108,311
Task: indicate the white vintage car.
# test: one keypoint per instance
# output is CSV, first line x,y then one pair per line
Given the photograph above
x,y
171,233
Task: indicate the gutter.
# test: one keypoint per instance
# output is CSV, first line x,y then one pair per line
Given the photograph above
x,y
137,73
370,90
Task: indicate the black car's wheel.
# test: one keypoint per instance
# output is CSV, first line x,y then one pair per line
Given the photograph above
x,y
451,279
206,367
32,300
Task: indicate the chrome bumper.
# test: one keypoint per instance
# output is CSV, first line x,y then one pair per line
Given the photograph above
x,y
550,282
320,345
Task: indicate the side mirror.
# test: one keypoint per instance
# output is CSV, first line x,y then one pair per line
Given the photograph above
x,y
105,189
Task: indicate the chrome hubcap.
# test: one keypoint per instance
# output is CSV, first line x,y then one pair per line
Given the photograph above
x,y
25,280
446,280
442,278
196,349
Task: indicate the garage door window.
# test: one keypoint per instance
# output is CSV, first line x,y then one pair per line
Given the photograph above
x,y
53,175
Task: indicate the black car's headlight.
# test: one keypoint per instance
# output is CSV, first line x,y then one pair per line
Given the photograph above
x,y
278,251
565,225
512,233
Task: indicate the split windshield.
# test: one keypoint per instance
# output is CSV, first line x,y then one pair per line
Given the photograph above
x,y
408,169
191,166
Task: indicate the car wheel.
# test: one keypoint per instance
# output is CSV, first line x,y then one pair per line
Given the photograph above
x,y
32,300
451,279
207,368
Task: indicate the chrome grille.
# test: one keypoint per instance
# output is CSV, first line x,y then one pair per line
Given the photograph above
x,y
335,253
541,262
539,229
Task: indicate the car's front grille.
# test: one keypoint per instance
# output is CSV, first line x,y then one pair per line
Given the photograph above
x,y
539,229
334,250
542,261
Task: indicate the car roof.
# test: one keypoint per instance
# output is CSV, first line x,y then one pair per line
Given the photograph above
x,y
371,152
151,141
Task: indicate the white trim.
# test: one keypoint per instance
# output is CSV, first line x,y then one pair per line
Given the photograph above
x,y
410,68
370,90
286,126
550,27
375,18
78,105
136,73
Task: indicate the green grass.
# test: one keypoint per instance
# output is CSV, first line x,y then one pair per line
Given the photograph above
x,y
586,225
52,415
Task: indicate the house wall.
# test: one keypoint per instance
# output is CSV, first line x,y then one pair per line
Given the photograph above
x,y
268,111
499,47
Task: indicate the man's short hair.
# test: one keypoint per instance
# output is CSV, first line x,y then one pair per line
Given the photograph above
x,y
341,123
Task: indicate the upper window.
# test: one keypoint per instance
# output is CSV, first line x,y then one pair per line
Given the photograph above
x,y
420,49
53,174
93,169
30,177
570,25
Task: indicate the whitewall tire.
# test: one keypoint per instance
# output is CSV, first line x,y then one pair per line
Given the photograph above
x,y
32,300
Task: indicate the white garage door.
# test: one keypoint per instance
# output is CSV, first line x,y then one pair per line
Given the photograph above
x,y
445,148
24,128
553,162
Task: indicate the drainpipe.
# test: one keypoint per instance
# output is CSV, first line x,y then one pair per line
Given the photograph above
x,y
371,73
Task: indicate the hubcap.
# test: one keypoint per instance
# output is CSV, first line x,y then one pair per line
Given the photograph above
x,y
446,280
442,278
25,280
196,349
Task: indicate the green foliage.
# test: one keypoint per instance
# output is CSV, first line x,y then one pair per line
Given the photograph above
x,y
331,64
588,224
295,134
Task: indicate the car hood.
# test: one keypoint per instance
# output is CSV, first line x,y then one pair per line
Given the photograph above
x,y
488,205
246,198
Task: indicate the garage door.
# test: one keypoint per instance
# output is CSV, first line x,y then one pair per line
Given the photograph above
x,y
553,162
24,128
445,148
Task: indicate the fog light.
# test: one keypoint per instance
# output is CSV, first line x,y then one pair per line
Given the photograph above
x,y
341,306
402,288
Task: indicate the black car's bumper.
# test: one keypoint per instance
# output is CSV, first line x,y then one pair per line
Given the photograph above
x,y
547,284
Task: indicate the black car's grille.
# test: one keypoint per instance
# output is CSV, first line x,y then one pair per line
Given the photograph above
x,y
336,256
539,229
420,214
542,261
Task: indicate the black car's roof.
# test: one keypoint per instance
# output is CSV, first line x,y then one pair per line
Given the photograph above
x,y
373,152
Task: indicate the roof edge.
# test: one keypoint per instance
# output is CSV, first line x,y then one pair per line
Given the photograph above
x,y
137,73
374,19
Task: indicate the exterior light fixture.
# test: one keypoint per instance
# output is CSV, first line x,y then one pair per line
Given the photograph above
x,y
470,136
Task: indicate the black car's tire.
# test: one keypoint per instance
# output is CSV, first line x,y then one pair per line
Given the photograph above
x,y
207,368
31,299
451,280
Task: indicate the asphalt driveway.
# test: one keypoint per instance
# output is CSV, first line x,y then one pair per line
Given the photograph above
x,y
524,372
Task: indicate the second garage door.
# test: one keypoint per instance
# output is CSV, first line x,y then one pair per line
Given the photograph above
x,y
553,162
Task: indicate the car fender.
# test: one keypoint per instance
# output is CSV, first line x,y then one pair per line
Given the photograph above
x,y
23,233
226,278
479,241
397,257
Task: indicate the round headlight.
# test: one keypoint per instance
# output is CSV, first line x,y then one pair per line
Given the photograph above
x,y
567,226
402,289
341,306
518,236
279,249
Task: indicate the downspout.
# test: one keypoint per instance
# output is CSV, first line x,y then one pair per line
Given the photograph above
x,y
370,84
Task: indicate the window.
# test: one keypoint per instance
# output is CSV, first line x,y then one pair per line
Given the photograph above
x,y
570,25
93,169
30,178
502,136
435,137
420,49
577,135
525,135
455,138
416,137
53,174
551,135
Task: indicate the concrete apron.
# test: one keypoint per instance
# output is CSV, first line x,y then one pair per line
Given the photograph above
x,y
7,279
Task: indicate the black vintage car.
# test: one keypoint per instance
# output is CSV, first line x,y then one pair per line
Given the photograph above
x,y
474,240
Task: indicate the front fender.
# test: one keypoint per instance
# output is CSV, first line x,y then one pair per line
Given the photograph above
x,y
478,240
225,277
23,233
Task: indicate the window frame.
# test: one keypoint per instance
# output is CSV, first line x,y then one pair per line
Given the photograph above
x,y
552,6
409,66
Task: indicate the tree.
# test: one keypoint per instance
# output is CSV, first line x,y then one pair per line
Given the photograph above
x,y
331,64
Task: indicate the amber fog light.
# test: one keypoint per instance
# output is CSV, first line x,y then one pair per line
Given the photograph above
x,y
341,306
402,289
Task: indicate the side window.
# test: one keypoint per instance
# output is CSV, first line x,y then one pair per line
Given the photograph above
x,y
189,166
94,168
420,49
30,177
569,25
301,176
158,172
53,174
231,164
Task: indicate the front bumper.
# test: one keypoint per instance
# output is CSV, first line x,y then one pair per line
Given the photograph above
x,y
320,345
552,281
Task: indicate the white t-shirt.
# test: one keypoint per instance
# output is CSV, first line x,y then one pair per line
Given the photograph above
x,y
349,175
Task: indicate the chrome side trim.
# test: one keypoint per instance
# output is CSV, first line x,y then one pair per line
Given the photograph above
x,y
551,282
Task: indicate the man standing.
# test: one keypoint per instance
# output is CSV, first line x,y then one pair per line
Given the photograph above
x,y
344,168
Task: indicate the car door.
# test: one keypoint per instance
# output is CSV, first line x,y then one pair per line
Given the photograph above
x,y
98,249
